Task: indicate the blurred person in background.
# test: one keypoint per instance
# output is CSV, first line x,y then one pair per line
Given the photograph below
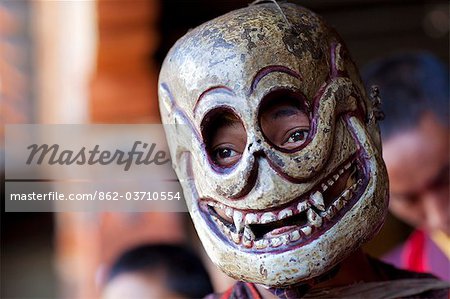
x,y
414,91
157,271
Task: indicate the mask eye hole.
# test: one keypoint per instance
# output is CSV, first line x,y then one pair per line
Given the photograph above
x,y
285,120
225,137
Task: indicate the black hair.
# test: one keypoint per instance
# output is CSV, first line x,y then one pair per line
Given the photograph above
x,y
410,84
183,270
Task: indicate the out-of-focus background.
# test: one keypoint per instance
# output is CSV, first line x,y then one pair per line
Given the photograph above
x,y
98,62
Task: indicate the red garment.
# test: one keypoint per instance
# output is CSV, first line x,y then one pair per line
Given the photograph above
x,y
421,254
414,255
243,290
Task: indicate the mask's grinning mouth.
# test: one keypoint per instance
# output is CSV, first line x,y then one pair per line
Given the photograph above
x,y
295,224
277,227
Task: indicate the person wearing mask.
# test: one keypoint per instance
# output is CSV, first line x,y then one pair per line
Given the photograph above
x,y
414,92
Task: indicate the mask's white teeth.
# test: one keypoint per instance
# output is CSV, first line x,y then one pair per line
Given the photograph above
x,y
285,213
261,244
314,218
216,220
238,220
347,166
285,239
335,177
251,218
216,205
355,186
306,230
339,203
294,236
346,195
331,212
349,183
330,182
317,200
341,171
247,243
324,187
229,212
312,215
248,234
319,222
222,226
248,237
236,237
268,217
302,206
276,242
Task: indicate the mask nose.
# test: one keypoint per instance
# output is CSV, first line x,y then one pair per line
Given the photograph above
x,y
255,147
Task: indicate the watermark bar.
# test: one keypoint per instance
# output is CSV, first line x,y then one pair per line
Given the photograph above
x,y
66,168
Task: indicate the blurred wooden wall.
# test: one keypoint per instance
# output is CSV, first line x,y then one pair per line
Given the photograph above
x,y
123,90
15,70
124,87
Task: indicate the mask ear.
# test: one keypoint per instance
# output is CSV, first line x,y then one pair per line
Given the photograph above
x,y
374,115
337,60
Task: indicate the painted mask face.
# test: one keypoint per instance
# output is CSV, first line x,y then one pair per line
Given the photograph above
x,y
273,143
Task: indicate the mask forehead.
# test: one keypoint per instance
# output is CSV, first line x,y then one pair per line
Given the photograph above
x,y
238,49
